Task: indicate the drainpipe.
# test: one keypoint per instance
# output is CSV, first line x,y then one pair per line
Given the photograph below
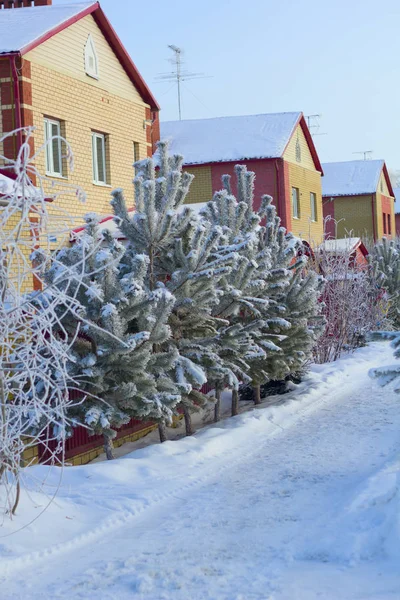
x,y
17,101
373,219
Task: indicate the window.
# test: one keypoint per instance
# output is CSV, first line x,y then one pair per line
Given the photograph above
x,y
389,225
313,202
54,161
136,153
91,59
384,223
99,158
296,203
381,185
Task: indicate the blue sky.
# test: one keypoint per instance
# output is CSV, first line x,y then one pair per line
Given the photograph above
x,y
334,57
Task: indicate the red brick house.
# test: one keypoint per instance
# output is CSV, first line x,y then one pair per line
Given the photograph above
x,y
277,147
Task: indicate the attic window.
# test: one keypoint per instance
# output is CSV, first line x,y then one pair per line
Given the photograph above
x,y
381,185
298,150
91,59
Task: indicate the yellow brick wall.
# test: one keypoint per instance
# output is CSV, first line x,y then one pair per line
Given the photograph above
x,y
307,181
307,160
110,105
201,188
354,214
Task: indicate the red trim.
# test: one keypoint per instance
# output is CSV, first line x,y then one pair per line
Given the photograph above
x,y
124,58
388,182
112,38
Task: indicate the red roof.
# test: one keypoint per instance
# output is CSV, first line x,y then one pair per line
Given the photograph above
x,y
112,38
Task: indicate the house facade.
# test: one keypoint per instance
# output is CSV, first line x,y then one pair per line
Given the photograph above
x,y
358,199
396,192
64,71
277,147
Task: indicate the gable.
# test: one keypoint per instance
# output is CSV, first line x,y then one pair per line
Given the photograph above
x,y
298,148
65,53
382,185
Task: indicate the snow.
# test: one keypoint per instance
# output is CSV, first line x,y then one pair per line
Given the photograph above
x,y
397,201
341,245
20,27
351,178
230,138
297,500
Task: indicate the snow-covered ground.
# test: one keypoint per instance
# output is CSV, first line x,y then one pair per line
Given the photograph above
x,y
296,501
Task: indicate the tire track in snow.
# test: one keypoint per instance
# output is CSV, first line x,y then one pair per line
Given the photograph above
x,y
273,419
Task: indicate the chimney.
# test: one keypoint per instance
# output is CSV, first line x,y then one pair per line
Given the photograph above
x,y
23,3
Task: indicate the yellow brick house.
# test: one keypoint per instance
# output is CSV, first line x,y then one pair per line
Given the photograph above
x,y
358,199
278,147
64,71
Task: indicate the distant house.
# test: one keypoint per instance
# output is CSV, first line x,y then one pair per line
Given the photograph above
x,y
359,196
277,147
397,209
64,71
353,248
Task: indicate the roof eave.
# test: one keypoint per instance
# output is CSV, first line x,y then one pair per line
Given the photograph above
x,y
115,43
324,195
388,182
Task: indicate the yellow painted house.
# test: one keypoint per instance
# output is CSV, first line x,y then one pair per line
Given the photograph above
x,y
358,199
277,147
64,71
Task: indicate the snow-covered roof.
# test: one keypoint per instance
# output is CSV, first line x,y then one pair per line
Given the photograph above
x,y
341,245
20,27
109,223
225,139
397,201
351,178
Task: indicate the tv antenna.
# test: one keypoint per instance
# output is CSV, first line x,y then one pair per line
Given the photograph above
x,y
366,154
313,124
178,75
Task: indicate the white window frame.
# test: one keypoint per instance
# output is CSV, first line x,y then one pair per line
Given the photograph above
x,y
314,209
48,123
99,136
90,52
296,208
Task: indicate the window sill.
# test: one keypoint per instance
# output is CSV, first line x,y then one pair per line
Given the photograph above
x,y
92,76
101,184
56,176
297,218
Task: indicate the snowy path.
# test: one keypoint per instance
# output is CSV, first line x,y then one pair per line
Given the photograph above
x,y
307,505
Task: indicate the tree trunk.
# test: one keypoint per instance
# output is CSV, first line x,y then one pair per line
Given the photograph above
x,y
108,447
257,394
162,430
217,407
188,420
17,495
235,403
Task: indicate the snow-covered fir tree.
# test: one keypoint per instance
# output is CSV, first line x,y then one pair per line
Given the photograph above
x,y
114,340
385,262
269,287
184,259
